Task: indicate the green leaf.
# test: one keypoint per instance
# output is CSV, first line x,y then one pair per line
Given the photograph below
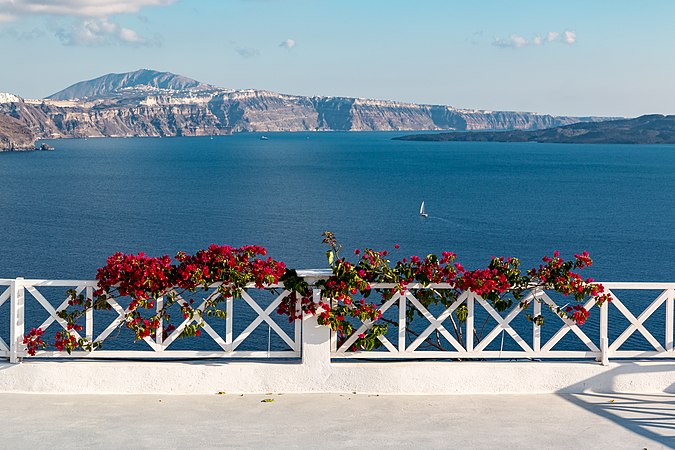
x,y
462,312
329,255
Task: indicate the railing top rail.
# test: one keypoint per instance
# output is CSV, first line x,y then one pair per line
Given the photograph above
x,y
313,275
637,285
58,283
609,285
94,283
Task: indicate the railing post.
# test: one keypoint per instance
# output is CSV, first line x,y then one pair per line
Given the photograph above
x,y
402,321
315,340
669,319
89,315
16,330
229,321
469,322
297,323
159,334
604,334
536,328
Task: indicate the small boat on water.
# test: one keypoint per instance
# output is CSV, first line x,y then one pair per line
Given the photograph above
x,y
264,138
423,211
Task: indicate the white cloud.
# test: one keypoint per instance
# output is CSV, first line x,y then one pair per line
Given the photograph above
x,y
514,41
517,41
130,36
288,43
570,37
92,26
81,8
98,32
248,52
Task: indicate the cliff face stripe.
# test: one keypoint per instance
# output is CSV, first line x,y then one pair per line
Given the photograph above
x,y
224,114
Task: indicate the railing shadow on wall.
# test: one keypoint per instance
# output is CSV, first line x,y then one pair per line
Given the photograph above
x,y
638,323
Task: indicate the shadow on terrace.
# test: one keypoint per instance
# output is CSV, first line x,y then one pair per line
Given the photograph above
x,y
649,415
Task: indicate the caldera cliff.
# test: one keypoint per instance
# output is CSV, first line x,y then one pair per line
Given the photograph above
x,y
151,103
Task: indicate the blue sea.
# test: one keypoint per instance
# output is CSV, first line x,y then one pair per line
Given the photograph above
x,y
63,212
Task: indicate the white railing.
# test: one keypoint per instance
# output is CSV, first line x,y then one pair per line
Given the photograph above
x,y
605,335
19,291
600,340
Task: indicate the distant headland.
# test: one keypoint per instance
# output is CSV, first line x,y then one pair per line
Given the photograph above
x,y
151,103
649,129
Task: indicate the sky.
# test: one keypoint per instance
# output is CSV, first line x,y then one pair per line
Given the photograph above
x,y
604,58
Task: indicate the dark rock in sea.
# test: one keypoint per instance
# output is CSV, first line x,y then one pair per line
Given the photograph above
x,y
649,129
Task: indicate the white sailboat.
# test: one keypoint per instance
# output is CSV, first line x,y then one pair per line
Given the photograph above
x,y
423,212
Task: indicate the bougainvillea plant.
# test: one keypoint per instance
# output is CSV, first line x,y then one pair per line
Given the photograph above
x,y
501,283
346,299
144,280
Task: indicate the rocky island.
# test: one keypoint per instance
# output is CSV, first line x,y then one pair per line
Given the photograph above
x,y
151,103
649,129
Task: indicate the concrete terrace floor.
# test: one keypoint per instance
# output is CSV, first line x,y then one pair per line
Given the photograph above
x,y
573,421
